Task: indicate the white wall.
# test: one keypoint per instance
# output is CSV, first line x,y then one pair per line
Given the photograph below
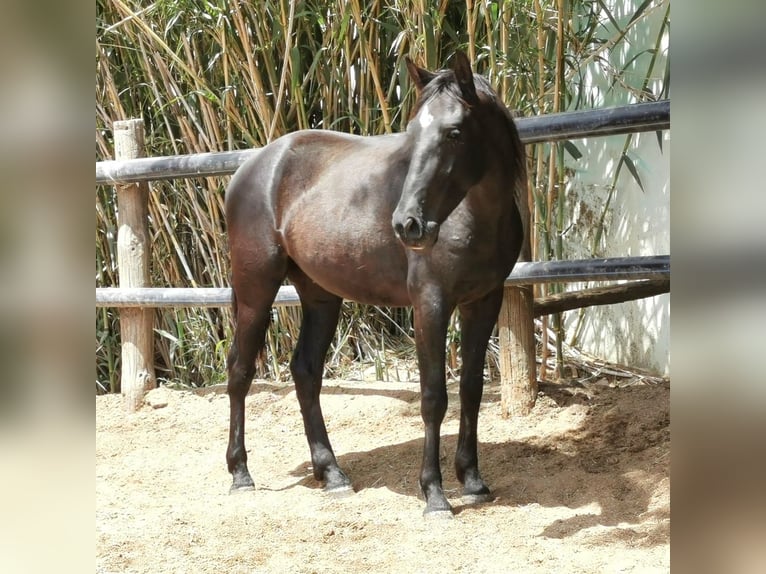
x,y
637,332
634,333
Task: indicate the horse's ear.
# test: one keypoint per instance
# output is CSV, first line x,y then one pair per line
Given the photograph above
x,y
420,76
464,76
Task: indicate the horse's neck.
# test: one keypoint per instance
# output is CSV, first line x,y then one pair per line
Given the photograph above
x,y
495,191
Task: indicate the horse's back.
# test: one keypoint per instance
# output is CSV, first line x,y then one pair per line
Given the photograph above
x,y
324,200
313,161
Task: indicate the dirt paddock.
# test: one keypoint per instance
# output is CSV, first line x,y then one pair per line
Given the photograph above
x,y
581,485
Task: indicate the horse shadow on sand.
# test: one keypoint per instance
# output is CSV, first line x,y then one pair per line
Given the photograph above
x,y
590,466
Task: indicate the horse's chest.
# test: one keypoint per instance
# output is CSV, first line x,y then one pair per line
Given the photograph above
x,y
477,262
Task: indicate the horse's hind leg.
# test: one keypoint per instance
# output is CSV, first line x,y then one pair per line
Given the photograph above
x,y
320,318
477,319
252,319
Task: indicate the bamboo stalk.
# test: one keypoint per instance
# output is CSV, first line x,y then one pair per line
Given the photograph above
x,y
285,63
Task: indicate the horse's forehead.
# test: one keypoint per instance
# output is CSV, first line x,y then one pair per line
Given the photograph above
x,y
425,118
445,109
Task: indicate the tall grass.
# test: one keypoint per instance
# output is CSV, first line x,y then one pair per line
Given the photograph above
x,y
214,75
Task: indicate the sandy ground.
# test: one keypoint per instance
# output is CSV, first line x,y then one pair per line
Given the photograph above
x,y
581,485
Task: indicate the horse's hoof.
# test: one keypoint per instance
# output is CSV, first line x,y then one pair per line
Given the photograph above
x,y
242,483
236,488
438,514
438,508
336,483
339,491
477,498
475,491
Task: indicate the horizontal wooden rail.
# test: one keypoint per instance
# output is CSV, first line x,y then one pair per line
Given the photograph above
x,y
611,269
630,291
649,116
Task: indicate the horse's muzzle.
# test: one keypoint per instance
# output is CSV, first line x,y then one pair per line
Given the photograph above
x,y
416,233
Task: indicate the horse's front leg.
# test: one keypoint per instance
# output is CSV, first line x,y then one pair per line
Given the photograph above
x,y
477,320
431,319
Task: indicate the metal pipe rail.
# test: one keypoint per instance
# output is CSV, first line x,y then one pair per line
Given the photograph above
x,y
612,269
642,117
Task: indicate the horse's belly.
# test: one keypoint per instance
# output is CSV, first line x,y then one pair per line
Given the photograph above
x,y
368,272
363,283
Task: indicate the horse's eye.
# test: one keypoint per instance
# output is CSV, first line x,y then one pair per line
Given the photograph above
x,y
454,134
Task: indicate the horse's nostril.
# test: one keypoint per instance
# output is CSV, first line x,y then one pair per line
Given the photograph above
x,y
413,231
412,228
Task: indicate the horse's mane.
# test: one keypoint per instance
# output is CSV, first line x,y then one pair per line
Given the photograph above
x,y
516,155
444,81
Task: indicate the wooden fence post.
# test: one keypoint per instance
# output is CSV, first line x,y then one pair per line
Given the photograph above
x,y
516,338
516,334
133,250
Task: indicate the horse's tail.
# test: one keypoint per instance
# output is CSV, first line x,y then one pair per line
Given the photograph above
x,y
231,358
234,303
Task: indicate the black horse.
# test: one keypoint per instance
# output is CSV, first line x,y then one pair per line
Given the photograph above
x,y
429,218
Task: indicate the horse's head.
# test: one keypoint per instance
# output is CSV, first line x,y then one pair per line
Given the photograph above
x,y
446,151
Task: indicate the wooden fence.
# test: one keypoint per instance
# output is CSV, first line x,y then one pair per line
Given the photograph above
x,y
130,172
